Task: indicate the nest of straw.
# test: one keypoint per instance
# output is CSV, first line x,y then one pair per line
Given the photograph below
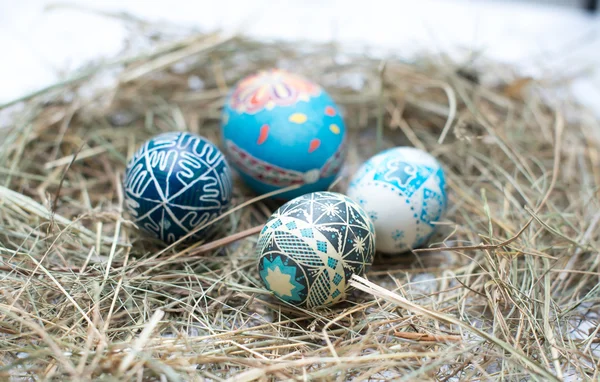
x,y
507,289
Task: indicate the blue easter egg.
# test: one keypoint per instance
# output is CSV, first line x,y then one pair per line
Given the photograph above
x,y
279,130
175,183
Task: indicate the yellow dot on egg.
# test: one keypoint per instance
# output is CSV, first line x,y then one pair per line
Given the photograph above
x,y
298,118
334,128
270,105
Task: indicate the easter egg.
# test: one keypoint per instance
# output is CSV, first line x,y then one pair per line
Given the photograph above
x,y
175,183
403,192
311,246
279,130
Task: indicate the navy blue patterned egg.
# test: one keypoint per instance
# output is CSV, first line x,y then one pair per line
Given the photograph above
x,y
175,183
311,246
279,130
404,192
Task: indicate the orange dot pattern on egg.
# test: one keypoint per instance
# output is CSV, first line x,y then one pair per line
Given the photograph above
x,y
314,144
334,128
298,118
330,111
264,133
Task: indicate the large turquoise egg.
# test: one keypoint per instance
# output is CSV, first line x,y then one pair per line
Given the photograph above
x,y
279,129
175,183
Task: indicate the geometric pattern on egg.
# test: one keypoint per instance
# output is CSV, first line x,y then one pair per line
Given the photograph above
x,y
404,192
176,183
310,248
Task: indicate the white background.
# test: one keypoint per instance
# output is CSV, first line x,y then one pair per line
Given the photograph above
x,y
40,45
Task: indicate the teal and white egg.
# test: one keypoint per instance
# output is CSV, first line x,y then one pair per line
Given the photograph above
x,y
310,248
403,190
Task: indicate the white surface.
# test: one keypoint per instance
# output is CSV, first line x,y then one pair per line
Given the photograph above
x,y
40,46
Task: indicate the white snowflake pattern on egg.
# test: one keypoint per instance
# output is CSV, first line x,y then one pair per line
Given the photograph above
x,y
403,190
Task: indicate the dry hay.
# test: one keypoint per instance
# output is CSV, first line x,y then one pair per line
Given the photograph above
x,y
509,292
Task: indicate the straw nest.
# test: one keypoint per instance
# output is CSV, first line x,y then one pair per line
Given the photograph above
x,y
508,289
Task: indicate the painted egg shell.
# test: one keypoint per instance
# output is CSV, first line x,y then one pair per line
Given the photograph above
x,y
175,183
403,191
279,130
311,246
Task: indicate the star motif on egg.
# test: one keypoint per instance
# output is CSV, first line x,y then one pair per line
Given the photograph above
x,y
279,282
359,244
281,279
373,215
398,235
330,209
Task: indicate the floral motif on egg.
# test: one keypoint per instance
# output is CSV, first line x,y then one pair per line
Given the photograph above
x,y
268,89
312,245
